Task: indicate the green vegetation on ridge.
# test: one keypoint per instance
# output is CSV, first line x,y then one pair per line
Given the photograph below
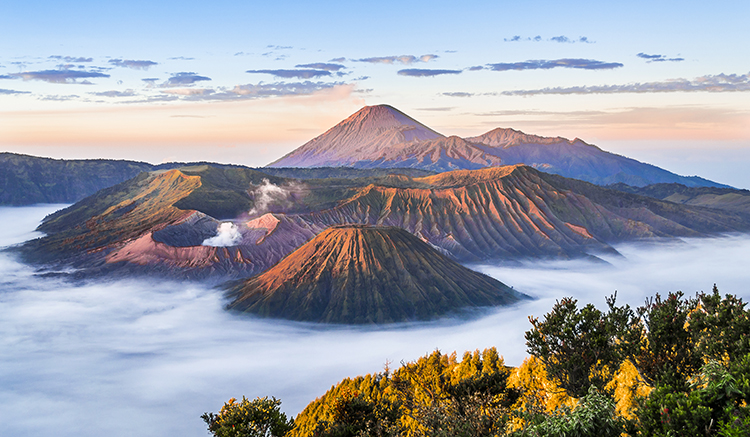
x,y
676,366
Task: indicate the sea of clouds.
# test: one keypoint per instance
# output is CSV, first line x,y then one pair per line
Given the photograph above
x,y
147,358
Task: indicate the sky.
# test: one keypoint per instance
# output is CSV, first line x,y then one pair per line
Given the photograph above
x,y
666,82
145,358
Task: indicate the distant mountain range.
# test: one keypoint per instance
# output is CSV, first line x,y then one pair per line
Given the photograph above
x,y
159,221
26,180
362,224
367,274
383,137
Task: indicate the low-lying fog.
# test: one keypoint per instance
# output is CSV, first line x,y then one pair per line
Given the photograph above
x,y
138,358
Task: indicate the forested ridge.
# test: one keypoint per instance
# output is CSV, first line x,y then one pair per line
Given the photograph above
x,y
676,366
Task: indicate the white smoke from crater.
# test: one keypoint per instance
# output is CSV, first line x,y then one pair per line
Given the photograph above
x,y
227,234
267,194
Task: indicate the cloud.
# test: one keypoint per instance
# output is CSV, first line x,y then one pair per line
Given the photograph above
x,y
171,351
337,60
299,74
658,58
5,76
59,98
422,72
267,195
9,92
72,58
557,39
189,91
476,68
113,93
183,79
136,65
403,59
585,64
60,76
458,94
710,83
181,58
322,66
227,234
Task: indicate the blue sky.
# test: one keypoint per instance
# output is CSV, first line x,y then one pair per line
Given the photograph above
x,y
666,82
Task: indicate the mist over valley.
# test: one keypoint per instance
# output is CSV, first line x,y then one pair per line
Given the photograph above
x,y
147,358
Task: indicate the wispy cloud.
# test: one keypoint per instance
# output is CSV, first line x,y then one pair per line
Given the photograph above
x,y
6,76
9,92
189,91
114,93
322,66
557,39
658,58
181,58
72,58
710,83
422,72
585,64
297,74
282,89
245,92
58,98
183,79
403,59
458,94
60,76
129,63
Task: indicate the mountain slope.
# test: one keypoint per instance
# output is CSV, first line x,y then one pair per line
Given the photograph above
x,y
383,137
728,199
576,159
159,221
362,274
25,180
364,135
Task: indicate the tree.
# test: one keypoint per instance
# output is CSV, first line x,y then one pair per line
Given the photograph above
x,y
260,417
579,347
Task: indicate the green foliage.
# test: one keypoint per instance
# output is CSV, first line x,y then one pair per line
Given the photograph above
x,y
594,416
715,403
576,346
260,417
666,349
437,395
693,352
352,414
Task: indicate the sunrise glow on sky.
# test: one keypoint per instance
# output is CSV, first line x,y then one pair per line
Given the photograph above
x,y
666,82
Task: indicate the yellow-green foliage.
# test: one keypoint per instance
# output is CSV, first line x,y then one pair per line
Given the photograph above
x,y
414,386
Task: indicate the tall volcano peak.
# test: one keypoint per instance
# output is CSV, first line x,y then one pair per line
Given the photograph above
x,y
364,135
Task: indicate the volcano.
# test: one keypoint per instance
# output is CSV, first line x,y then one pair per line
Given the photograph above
x,y
363,136
358,274
381,136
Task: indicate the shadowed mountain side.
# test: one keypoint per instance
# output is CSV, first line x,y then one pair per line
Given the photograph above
x,y
25,180
728,199
576,159
662,218
358,274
